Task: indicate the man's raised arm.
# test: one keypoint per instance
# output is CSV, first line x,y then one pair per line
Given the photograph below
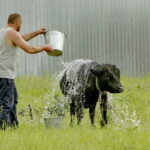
x,y
17,40
29,36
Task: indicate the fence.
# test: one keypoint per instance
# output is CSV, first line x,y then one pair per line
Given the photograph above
x,y
109,31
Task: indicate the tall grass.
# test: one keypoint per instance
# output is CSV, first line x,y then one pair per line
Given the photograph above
x,y
32,135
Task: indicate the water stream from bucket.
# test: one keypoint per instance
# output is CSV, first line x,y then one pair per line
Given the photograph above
x,y
73,89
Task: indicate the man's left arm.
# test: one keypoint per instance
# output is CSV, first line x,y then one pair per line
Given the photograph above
x,y
29,36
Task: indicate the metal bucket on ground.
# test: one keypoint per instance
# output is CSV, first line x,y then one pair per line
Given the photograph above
x,y
56,40
54,122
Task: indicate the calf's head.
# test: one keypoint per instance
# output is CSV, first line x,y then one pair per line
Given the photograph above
x,y
107,78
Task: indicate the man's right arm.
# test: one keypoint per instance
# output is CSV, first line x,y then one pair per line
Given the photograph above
x,y
17,39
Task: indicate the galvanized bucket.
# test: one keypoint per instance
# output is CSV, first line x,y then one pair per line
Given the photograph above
x,y
54,122
56,40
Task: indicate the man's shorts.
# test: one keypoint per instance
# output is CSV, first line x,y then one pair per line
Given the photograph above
x,y
8,102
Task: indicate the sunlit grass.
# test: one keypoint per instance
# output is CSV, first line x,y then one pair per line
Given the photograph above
x,y
32,135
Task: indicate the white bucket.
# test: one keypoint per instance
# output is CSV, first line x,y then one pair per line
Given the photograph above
x,y
56,40
54,122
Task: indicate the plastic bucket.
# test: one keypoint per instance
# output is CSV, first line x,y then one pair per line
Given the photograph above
x,y
56,40
54,122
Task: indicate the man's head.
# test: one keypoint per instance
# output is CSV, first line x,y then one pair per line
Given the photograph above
x,y
15,19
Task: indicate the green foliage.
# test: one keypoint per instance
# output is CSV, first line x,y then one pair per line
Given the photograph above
x,y
131,105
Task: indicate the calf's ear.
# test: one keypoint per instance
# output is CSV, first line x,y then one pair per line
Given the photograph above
x,y
116,71
95,72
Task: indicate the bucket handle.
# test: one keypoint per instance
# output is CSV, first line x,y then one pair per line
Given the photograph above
x,y
45,38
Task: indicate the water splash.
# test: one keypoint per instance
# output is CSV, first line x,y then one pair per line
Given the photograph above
x,y
121,114
123,117
56,103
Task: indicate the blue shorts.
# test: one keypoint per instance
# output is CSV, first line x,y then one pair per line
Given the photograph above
x,y
8,102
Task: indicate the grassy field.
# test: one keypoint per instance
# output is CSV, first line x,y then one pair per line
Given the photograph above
x,y
128,126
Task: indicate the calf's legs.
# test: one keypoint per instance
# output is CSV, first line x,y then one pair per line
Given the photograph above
x,y
72,113
92,113
76,109
103,108
79,112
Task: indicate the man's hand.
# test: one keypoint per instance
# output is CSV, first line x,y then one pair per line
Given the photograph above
x,y
41,31
29,36
47,48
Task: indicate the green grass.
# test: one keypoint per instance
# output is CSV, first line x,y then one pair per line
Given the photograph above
x,y
32,135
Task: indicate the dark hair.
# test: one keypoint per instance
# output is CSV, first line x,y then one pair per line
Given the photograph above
x,y
13,17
